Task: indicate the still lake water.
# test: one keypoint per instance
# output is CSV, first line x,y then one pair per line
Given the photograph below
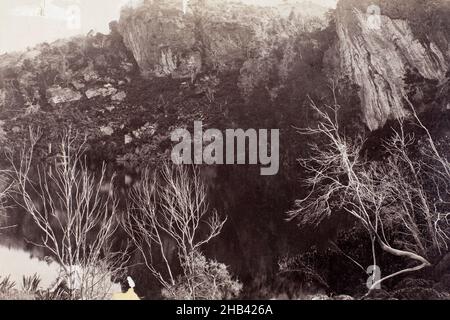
x,y
17,263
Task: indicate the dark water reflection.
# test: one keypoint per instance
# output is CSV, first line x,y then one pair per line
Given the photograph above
x,y
253,240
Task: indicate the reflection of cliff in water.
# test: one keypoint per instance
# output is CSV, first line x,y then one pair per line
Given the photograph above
x,y
252,242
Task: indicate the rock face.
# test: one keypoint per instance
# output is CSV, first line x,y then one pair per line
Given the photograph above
x,y
376,50
165,41
161,39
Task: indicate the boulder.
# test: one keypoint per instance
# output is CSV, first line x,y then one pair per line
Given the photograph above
x,y
107,130
90,76
128,139
78,85
148,130
120,96
57,95
100,92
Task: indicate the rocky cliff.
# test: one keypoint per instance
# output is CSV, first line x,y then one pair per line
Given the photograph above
x,y
166,41
210,36
376,48
231,66
267,46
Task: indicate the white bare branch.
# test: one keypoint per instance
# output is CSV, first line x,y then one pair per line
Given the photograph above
x,y
74,213
170,210
389,199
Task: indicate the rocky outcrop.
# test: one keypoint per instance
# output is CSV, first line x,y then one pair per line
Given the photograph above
x,y
211,35
90,83
261,43
105,91
166,41
376,50
57,95
66,71
160,39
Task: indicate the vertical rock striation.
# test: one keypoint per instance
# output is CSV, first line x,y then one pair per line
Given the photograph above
x,y
375,51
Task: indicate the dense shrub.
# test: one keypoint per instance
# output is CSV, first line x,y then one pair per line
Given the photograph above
x,y
206,280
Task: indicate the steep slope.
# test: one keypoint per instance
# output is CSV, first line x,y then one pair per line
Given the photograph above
x,y
377,49
211,36
214,35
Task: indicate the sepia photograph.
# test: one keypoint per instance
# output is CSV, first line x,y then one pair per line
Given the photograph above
x,y
240,151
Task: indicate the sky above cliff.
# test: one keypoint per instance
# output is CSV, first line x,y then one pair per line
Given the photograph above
x,y
25,23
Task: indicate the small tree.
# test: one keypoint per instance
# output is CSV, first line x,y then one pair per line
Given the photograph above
x,y
209,280
174,210
75,211
389,199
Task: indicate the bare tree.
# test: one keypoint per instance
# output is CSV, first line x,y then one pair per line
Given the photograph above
x,y
173,210
75,211
389,199
4,190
